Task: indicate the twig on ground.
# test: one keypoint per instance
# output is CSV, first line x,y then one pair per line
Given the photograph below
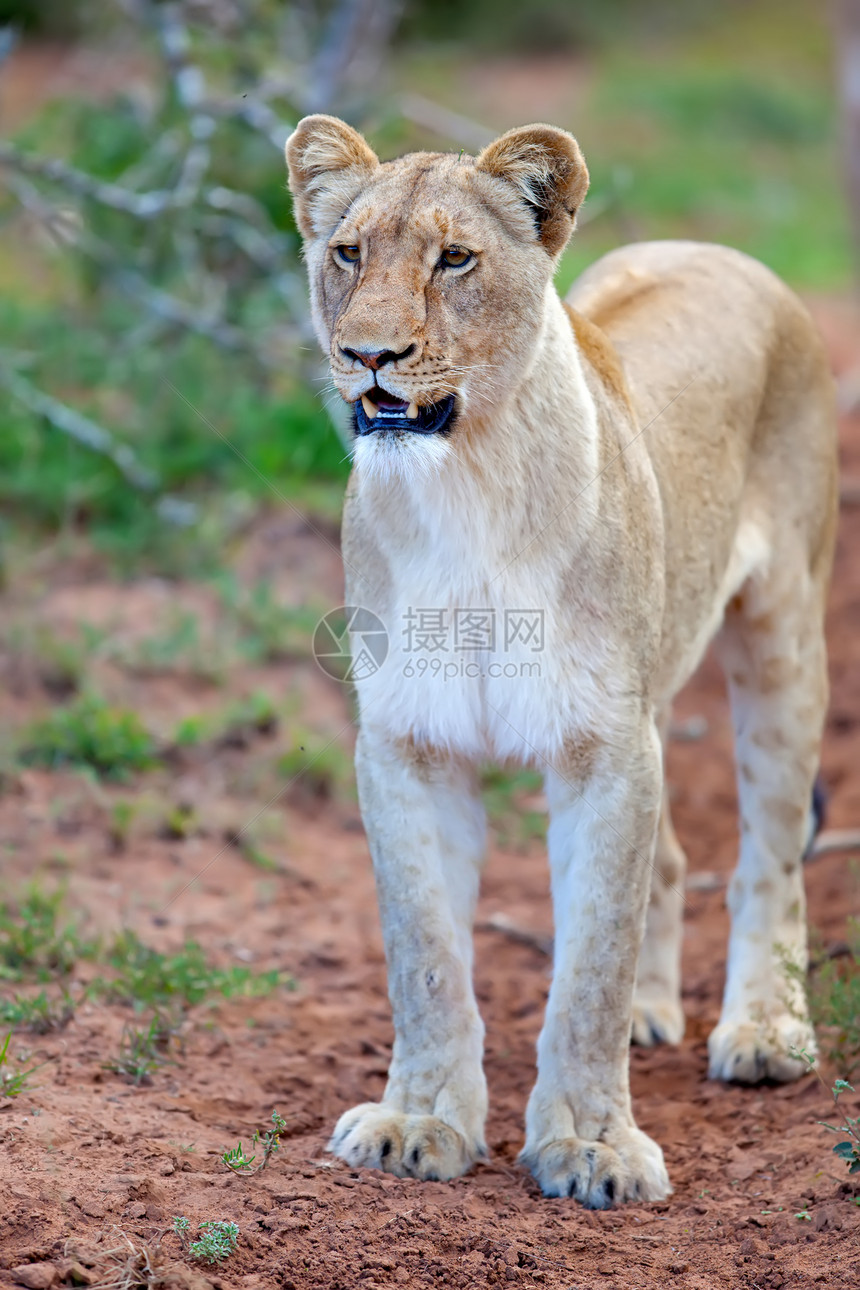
x,y
835,840
501,923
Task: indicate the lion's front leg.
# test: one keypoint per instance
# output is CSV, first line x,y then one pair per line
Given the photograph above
x,y
581,1138
426,829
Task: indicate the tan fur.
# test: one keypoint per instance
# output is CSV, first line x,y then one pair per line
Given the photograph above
x,y
651,466
600,355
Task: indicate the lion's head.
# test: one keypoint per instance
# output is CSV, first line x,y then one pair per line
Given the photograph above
x,y
427,274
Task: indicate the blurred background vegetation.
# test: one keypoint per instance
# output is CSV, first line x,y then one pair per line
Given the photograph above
x,y
159,383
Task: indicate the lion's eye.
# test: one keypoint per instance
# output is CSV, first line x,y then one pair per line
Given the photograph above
x,y
454,257
348,254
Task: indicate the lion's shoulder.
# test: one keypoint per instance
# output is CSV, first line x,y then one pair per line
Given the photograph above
x,y
599,353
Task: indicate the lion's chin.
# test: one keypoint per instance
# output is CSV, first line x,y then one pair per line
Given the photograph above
x,y
390,455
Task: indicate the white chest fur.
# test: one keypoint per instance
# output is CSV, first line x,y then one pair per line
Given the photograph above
x,y
488,657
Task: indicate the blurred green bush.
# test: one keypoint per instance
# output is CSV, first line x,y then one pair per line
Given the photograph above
x,y
181,330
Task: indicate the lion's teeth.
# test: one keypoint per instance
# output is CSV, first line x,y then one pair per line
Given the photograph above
x,y
412,411
370,409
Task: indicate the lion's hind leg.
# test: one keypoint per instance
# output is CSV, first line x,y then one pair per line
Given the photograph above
x,y
772,648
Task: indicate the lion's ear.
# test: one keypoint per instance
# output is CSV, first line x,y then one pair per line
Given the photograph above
x,y
548,170
328,162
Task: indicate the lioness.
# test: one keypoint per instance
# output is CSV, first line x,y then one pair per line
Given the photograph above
x,y
630,474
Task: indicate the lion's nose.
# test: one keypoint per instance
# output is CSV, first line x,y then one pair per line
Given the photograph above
x,y
374,359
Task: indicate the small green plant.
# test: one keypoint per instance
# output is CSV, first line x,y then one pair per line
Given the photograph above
x,y
216,1241
40,1014
849,1149
191,731
89,733
12,1085
145,977
35,940
181,1226
239,1163
805,1215
833,990
122,816
142,1052
180,822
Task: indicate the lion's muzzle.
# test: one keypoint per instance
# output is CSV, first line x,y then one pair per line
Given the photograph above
x,y
377,410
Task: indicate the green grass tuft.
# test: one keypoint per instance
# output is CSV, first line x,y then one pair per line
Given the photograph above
x,y
833,990
89,734
36,941
142,1051
13,1084
40,1013
145,977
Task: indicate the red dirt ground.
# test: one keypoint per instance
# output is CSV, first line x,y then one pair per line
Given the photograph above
x,y
84,1156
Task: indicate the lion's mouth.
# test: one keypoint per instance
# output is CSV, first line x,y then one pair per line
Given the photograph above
x,y
378,410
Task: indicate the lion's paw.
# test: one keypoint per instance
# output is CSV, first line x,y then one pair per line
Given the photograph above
x,y
748,1052
600,1175
372,1136
657,1021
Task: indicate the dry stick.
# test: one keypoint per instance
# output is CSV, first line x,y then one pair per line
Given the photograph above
x,y
165,306
258,116
80,428
190,88
835,840
247,229
142,205
501,923
174,510
267,252
356,39
839,950
826,842
447,124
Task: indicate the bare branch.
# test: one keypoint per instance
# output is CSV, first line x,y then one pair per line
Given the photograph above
x,y
257,115
165,306
190,88
835,840
8,41
141,205
446,124
80,428
357,37
521,935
